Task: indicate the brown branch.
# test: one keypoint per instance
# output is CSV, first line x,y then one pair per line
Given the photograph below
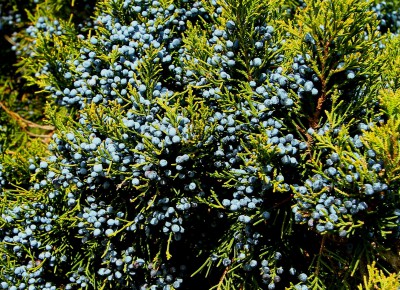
x,y
24,122
9,39
222,278
46,137
224,274
321,249
276,205
310,140
321,100
315,117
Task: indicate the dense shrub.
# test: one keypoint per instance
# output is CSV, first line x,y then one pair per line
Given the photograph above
x,y
205,145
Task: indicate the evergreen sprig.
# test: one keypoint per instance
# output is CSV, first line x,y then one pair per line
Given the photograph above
x,y
201,145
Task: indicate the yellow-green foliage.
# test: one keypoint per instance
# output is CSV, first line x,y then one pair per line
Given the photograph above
x,y
376,279
263,177
385,138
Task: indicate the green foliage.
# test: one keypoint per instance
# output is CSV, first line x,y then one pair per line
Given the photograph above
x,y
384,139
376,279
327,35
230,144
22,104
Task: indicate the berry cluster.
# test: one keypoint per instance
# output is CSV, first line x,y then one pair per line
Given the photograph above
x,y
351,184
184,146
9,19
388,16
94,80
23,227
151,152
43,26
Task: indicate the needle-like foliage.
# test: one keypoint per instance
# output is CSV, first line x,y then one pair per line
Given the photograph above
x,y
182,144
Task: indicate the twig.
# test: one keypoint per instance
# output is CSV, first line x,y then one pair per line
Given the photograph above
x,y
222,278
276,205
9,39
321,249
38,135
310,140
324,94
24,122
